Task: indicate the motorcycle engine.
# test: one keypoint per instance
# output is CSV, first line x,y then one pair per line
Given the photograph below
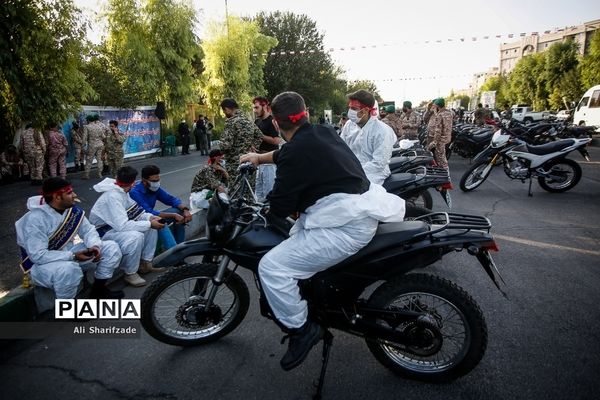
x,y
516,169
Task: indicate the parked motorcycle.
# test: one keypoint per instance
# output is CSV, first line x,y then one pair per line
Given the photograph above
x,y
547,162
413,186
418,325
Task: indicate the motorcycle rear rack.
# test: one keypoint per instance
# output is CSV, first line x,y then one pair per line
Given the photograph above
x,y
430,176
443,221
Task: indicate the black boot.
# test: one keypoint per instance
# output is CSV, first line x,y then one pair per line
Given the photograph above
x,y
100,291
301,341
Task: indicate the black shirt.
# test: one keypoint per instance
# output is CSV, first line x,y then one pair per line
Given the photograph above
x,y
314,164
268,129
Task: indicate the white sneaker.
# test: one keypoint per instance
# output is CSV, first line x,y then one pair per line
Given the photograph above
x,y
135,280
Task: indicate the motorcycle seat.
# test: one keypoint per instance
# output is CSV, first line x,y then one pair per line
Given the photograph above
x,y
548,148
388,235
396,181
482,137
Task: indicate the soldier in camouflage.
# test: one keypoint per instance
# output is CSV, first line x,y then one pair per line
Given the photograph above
x,y
114,148
93,136
77,138
212,176
57,151
239,137
33,149
440,131
392,120
410,122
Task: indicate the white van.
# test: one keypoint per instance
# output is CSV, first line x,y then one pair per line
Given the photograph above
x,y
588,109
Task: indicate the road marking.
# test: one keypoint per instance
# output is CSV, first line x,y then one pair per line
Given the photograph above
x,y
546,245
181,169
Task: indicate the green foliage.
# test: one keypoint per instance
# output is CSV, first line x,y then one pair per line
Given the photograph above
x,y
464,99
150,53
233,62
370,86
499,84
41,47
309,71
590,65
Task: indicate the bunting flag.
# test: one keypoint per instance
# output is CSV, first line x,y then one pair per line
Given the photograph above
x,y
429,41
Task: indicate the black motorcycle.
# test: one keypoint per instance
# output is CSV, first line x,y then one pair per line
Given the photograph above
x,y
414,184
418,325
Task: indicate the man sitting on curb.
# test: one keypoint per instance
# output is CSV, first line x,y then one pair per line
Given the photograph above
x,y
117,217
56,240
147,192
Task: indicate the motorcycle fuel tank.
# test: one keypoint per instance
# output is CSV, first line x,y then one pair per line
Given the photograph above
x,y
256,237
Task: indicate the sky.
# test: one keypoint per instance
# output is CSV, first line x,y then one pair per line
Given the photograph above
x,y
401,69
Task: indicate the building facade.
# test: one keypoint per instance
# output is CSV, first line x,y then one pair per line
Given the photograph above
x,y
511,53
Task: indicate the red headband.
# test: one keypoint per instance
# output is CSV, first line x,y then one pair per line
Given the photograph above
x,y
356,103
123,184
294,117
62,190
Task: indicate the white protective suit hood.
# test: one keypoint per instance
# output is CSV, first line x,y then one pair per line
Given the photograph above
x,y
106,185
35,202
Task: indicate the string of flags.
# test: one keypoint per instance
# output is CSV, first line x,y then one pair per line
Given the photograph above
x,y
423,78
463,39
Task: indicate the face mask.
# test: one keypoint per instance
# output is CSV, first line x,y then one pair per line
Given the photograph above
x,y
222,163
154,186
353,116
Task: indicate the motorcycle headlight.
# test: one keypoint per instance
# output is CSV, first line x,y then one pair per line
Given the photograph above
x,y
499,138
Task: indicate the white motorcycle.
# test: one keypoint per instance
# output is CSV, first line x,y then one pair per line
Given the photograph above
x,y
548,163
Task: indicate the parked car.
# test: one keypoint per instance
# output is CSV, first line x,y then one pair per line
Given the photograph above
x,y
526,114
588,109
563,115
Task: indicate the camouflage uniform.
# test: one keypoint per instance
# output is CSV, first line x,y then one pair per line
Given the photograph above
x,y
93,136
479,116
429,119
440,129
207,178
77,137
113,147
393,121
239,136
33,148
410,122
57,153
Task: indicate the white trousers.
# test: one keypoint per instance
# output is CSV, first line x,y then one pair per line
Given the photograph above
x,y
303,254
135,246
64,276
265,179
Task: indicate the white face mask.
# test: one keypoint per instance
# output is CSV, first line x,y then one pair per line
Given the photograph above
x,y
353,115
154,186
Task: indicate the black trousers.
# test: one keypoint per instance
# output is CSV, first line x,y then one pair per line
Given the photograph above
x,y
185,144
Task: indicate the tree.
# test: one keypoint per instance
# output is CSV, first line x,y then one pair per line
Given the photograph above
x,y
234,56
526,82
561,74
306,67
367,85
498,84
590,64
41,47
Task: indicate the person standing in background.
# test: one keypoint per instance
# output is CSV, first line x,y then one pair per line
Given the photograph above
x,y
57,151
184,134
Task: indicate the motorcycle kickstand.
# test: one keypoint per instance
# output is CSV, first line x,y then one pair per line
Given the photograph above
x,y
530,194
327,342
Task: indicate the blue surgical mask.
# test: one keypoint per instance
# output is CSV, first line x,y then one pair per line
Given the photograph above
x,y
154,186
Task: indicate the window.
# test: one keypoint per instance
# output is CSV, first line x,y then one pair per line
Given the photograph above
x,y
595,101
518,110
583,103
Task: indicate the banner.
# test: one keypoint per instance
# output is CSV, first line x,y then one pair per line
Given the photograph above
x,y
489,99
140,127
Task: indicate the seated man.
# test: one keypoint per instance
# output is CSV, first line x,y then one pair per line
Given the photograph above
x,y
212,176
56,240
370,139
320,177
147,192
117,217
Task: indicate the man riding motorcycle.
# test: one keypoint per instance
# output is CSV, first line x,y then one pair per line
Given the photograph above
x,y
319,177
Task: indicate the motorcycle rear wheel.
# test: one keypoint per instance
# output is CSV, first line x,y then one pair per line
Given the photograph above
x,y
173,311
445,352
566,174
475,176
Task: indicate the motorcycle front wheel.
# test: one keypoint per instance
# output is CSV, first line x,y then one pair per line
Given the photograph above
x,y
446,344
562,175
174,306
475,176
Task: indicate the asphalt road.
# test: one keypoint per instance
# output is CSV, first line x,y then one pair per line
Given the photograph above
x,y
543,339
